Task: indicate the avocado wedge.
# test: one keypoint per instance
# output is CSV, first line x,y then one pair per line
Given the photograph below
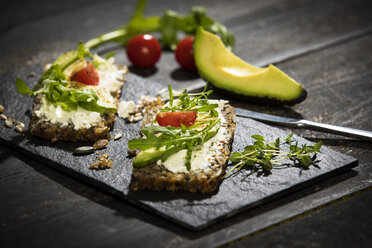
x,y
227,72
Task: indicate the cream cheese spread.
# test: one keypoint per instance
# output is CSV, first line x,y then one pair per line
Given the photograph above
x,y
80,118
125,108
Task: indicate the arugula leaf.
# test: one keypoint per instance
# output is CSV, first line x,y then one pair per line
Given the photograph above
x,y
110,54
69,99
53,73
170,95
23,88
68,58
258,137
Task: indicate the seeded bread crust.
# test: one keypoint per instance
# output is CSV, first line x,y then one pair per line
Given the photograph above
x,y
157,177
55,132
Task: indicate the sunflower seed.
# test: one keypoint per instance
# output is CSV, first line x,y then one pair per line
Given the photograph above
x,y
138,118
137,115
118,136
18,123
84,150
3,117
8,123
18,129
130,118
100,144
31,74
1,108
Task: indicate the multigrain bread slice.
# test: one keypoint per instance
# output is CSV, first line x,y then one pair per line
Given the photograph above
x,y
157,177
54,131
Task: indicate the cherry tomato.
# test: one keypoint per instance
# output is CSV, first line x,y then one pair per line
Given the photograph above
x,y
87,75
144,50
185,54
174,119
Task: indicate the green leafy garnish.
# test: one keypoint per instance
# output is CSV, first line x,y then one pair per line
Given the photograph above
x,y
23,88
264,155
198,102
53,85
168,26
110,55
161,142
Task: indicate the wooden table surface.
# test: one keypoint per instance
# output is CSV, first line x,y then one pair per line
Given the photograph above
x,y
325,45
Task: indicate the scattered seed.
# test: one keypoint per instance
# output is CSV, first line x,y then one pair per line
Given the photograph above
x,y
130,118
8,123
104,156
100,144
18,129
138,118
133,152
118,136
136,110
3,117
103,163
31,74
84,150
18,123
1,108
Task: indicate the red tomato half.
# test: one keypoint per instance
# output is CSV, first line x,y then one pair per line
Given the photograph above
x,y
185,54
88,75
144,50
174,119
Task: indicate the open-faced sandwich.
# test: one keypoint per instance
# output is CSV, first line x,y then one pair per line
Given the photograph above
x,y
185,145
76,98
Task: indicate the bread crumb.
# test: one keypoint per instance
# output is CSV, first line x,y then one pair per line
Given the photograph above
x,y
103,163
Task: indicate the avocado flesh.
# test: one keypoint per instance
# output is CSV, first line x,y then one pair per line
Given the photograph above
x,y
224,70
148,156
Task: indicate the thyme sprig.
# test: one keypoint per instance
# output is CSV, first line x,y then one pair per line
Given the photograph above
x,y
266,155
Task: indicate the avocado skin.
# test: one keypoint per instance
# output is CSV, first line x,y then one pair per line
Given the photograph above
x,y
260,100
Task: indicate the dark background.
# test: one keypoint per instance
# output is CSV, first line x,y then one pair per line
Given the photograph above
x,y
325,45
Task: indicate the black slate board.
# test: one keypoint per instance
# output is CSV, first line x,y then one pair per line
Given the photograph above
x,y
192,210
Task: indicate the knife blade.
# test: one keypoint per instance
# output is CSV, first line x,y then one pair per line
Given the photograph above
x,y
302,123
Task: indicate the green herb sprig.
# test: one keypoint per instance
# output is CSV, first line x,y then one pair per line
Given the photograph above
x,y
168,26
266,155
198,102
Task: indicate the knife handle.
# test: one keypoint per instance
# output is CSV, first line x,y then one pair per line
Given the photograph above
x,y
345,131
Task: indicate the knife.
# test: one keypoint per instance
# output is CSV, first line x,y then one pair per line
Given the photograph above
x,y
301,123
